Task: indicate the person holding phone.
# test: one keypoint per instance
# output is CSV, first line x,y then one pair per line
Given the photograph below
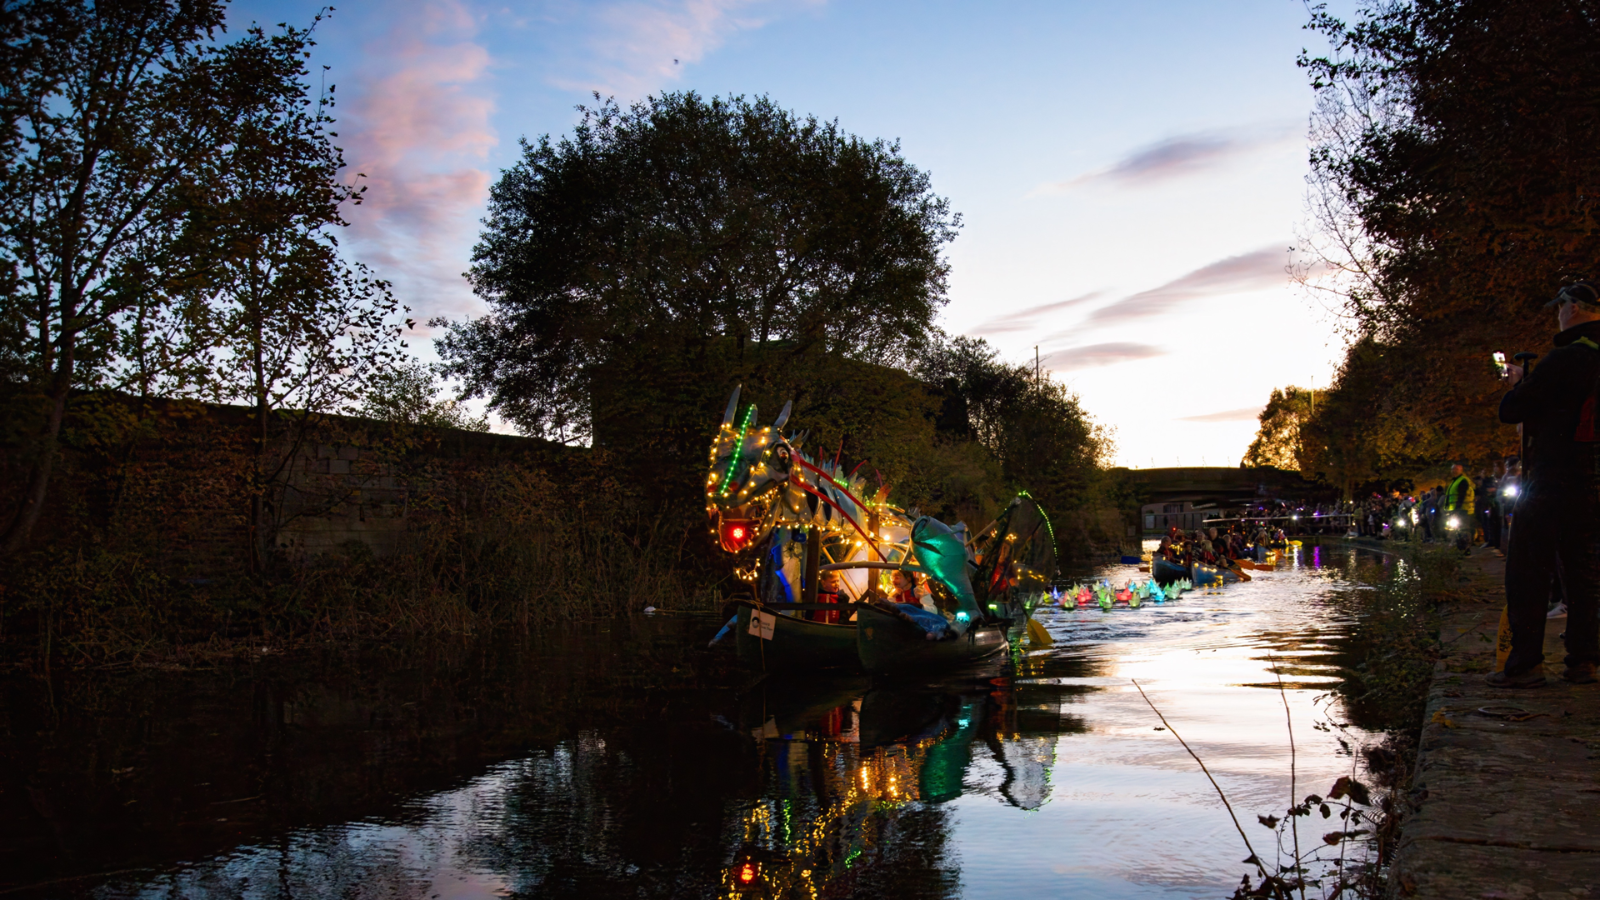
x,y
1557,533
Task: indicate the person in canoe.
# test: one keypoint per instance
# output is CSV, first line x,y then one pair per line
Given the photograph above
x,y
829,588
914,606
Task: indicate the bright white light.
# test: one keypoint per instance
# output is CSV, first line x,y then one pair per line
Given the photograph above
x,y
1511,490
1454,522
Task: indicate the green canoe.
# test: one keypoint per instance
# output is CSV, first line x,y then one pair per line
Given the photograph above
x,y
887,644
795,644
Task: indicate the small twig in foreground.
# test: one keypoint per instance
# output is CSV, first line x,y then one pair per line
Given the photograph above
x,y
1294,821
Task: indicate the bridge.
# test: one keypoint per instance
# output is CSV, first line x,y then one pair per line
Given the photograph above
x,y
1185,497
1222,486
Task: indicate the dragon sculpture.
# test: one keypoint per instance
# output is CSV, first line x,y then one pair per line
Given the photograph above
x,y
768,499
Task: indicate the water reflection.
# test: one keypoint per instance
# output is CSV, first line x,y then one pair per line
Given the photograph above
x,y
633,765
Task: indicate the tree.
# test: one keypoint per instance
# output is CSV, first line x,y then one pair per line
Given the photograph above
x,y
282,322
1278,442
114,120
1462,139
1036,429
409,395
679,227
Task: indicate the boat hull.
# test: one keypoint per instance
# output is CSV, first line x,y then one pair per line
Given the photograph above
x,y
885,643
796,644
1164,572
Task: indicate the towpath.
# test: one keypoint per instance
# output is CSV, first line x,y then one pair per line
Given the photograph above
x,y
1507,788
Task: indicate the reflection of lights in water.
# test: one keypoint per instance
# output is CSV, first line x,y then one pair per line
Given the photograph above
x,y
883,780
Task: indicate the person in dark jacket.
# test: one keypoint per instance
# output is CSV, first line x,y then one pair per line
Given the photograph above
x,y
1556,533
1459,507
1489,508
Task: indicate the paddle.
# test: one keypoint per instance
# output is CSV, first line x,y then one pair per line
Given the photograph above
x,y
1243,575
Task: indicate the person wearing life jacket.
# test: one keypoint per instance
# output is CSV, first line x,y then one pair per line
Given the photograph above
x,y
1557,531
914,603
828,591
1459,507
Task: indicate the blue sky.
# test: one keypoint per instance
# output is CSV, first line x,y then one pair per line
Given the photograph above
x,y
1131,174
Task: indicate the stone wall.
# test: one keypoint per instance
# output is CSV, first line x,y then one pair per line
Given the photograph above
x,y
172,480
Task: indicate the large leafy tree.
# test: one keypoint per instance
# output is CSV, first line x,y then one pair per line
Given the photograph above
x,y
669,236
117,120
1456,166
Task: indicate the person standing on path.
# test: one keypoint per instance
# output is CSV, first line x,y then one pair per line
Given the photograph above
x,y
1459,511
1489,507
1557,531
1487,524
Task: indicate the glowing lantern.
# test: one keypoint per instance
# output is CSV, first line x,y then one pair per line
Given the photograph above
x,y
735,534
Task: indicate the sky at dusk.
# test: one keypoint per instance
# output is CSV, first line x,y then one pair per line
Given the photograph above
x,y
1130,175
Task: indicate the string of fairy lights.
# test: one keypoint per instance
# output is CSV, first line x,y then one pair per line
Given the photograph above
x,y
741,478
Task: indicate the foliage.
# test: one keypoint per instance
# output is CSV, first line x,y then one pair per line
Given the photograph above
x,y
1035,428
1454,175
642,266
150,171
680,222
408,394
1278,444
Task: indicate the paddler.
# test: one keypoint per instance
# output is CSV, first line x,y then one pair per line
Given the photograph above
x,y
828,590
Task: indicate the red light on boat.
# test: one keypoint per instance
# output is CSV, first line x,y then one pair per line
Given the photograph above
x,y
747,873
735,535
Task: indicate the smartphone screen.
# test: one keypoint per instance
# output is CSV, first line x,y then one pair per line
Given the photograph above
x,y
1500,362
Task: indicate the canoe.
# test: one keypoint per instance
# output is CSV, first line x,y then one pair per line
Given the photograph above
x,y
1165,572
1211,576
795,644
885,643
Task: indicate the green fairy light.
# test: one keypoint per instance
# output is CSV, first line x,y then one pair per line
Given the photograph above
x,y
1046,516
738,453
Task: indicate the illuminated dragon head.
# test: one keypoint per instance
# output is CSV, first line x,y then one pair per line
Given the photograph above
x,y
750,463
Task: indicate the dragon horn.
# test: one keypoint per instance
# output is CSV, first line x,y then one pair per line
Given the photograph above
x,y
733,407
783,417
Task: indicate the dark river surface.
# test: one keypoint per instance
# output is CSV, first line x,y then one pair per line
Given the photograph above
x,y
630,762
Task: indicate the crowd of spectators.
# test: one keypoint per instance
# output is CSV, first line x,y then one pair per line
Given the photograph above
x,y
1475,512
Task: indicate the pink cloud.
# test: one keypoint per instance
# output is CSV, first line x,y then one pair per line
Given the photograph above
x,y
1253,271
1248,414
1091,356
418,128
639,45
1180,156
1027,319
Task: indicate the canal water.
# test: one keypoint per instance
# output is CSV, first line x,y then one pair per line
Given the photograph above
x,y
631,762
